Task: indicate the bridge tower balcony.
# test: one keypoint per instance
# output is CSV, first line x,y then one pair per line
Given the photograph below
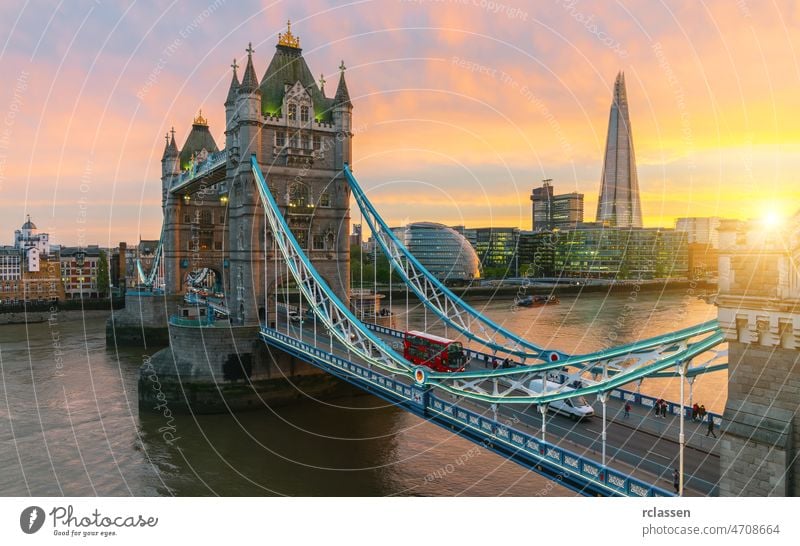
x,y
295,156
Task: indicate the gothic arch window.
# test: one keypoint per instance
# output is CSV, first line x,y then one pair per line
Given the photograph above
x,y
302,238
298,195
292,111
330,241
304,113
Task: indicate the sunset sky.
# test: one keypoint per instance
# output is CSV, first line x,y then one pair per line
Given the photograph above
x,y
460,107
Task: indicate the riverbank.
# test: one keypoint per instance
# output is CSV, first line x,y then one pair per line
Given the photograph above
x,y
36,312
510,291
35,317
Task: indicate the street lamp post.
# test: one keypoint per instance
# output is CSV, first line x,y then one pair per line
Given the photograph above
x,y
603,397
681,437
543,411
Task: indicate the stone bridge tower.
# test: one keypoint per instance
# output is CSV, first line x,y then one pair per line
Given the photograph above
x,y
301,139
194,232
759,311
213,219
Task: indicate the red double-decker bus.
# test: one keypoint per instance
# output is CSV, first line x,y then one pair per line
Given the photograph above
x,y
437,353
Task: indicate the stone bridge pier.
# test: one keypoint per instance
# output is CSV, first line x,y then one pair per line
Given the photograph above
x,y
143,320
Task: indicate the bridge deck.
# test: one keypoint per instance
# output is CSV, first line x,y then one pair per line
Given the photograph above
x,y
640,445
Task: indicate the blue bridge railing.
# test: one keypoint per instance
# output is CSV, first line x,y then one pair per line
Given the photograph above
x,y
646,401
578,472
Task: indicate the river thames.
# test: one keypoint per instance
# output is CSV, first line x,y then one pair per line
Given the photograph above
x,y
70,425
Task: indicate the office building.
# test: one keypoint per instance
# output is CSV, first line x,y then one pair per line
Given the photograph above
x,y
700,230
356,237
497,250
551,211
601,252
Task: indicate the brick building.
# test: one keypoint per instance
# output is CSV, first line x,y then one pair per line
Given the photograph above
x,y
80,268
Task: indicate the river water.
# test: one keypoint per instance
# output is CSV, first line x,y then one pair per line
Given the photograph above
x,y
70,425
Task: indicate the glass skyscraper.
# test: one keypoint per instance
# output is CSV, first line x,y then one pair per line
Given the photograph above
x,y
619,204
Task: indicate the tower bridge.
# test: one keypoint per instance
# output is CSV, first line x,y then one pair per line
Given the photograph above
x,y
272,208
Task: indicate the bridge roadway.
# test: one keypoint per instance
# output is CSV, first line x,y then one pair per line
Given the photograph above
x,y
640,445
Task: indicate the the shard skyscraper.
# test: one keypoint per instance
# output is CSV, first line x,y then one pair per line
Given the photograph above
x,y
619,203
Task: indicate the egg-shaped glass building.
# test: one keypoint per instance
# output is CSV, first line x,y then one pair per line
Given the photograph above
x,y
442,250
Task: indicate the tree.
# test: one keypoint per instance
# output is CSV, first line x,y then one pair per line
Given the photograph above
x,y
102,275
496,272
369,268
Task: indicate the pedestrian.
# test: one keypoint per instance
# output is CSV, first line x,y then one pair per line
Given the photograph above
x,y
695,411
702,411
676,480
663,409
506,363
657,407
627,409
494,364
711,427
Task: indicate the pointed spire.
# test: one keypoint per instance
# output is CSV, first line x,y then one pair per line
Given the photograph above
x,y
322,84
234,85
249,80
620,95
172,148
342,95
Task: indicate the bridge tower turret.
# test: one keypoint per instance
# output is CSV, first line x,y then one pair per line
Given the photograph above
x,y
230,111
245,275
170,166
171,208
343,120
343,124
248,110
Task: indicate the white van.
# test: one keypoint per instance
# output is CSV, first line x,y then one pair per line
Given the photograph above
x,y
576,408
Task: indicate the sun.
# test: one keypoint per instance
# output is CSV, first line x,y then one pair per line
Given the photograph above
x,y
771,219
